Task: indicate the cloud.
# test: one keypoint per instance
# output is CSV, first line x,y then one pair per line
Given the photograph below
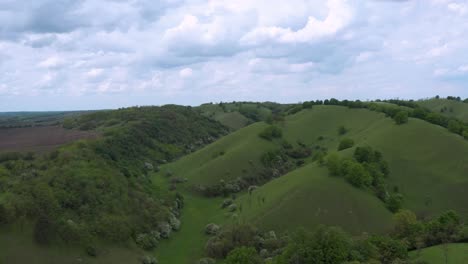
x,y
339,16
185,73
51,62
117,53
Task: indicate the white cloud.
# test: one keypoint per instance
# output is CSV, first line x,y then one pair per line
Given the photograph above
x,y
186,73
184,51
95,72
460,8
339,16
51,62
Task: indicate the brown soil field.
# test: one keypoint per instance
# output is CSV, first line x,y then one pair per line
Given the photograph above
x,y
39,139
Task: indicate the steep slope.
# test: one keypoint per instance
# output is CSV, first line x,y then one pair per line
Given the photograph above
x,y
308,197
230,157
428,166
450,108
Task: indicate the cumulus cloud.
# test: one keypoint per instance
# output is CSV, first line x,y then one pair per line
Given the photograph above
x,y
339,16
114,53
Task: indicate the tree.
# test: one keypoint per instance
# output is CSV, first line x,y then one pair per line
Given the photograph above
x,y
408,227
455,126
333,164
357,175
401,117
390,250
243,255
325,245
271,132
394,202
345,143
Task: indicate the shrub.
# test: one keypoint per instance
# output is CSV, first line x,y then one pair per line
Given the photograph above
x,y
356,174
342,130
455,127
243,255
394,202
346,143
401,117
271,133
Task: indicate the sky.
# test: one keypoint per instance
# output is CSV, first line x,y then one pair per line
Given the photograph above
x,y
96,54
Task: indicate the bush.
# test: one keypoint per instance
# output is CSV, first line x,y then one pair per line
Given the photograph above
x,y
356,174
394,202
342,130
455,127
271,133
243,255
345,144
401,117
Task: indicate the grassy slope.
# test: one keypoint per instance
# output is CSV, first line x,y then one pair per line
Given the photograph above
x,y
428,164
208,166
459,109
308,197
456,253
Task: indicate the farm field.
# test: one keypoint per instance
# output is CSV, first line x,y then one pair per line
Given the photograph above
x,y
39,139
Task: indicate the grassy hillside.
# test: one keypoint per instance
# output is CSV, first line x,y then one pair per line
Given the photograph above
x,y
450,108
236,115
232,156
443,254
428,166
308,197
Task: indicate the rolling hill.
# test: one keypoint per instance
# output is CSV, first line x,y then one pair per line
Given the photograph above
x,y
450,108
428,166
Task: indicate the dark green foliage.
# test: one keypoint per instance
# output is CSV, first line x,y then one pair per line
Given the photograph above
x,y
390,250
444,229
243,255
325,245
99,189
401,117
299,152
394,202
366,169
346,143
271,133
229,238
356,174
342,130
455,126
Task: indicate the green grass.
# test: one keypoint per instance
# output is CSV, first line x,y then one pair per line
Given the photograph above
x,y
428,166
187,244
233,120
308,197
17,246
454,108
453,253
228,158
